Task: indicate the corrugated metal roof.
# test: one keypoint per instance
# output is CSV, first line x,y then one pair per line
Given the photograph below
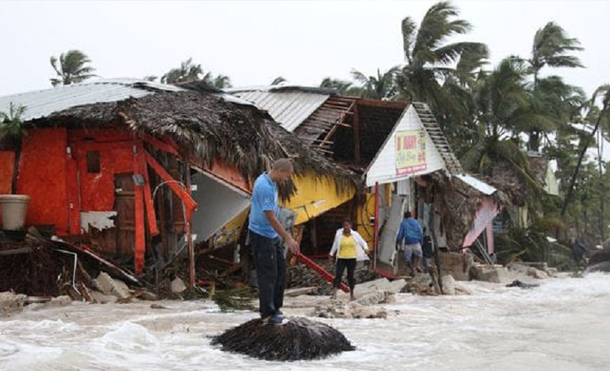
x,y
477,184
42,103
288,107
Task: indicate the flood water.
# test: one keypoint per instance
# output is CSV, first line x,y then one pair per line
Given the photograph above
x,y
562,325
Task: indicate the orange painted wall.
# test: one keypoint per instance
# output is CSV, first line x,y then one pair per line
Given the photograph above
x,y
42,176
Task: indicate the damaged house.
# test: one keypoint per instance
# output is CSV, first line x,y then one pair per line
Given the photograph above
x,y
138,173
404,162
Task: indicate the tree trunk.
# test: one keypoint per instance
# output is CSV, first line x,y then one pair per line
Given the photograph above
x,y
586,143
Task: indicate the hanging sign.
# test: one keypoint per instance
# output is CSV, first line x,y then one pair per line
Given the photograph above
x,y
410,151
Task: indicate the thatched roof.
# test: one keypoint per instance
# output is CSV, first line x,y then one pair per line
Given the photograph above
x,y
210,127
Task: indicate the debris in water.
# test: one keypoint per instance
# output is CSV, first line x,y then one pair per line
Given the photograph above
x,y
296,339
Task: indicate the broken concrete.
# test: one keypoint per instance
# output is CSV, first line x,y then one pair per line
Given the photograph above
x,y
109,286
490,273
380,285
421,285
457,265
337,309
11,303
178,286
448,285
100,298
60,301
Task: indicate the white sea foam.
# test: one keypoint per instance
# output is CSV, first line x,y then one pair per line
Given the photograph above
x,y
563,325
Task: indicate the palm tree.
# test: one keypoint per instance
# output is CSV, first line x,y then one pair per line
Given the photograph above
x,y
597,115
11,130
278,80
341,86
381,86
72,68
503,103
222,82
187,72
428,56
551,48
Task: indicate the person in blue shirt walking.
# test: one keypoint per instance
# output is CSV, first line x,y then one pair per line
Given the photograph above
x,y
410,239
267,248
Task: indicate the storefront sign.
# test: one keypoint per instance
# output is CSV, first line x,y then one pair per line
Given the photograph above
x,y
410,151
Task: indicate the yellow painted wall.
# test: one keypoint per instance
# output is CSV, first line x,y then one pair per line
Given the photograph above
x,y
314,197
230,232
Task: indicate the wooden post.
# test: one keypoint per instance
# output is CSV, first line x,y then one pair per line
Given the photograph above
x,y
189,234
376,226
356,129
140,246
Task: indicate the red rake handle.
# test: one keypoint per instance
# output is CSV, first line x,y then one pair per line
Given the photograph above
x,y
321,271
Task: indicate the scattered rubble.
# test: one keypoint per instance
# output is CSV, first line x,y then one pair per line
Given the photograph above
x,y
337,309
449,285
490,273
178,286
11,303
109,286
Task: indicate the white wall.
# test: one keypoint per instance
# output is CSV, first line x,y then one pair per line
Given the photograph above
x,y
218,203
383,169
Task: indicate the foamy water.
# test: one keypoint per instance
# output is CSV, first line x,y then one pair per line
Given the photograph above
x,y
562,325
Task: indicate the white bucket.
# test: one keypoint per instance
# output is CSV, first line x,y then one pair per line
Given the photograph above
x,y
14,210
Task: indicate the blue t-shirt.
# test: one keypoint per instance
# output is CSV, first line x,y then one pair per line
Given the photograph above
x,y
410,232
264,198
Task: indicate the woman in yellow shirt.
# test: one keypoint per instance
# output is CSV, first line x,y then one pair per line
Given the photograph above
x,y
350,248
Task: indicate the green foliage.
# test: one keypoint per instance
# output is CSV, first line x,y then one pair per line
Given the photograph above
x,y
11,123
72,68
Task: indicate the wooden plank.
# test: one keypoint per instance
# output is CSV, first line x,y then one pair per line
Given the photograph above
x,y
356,129
73,192
150,206
160,144
189,203
140,245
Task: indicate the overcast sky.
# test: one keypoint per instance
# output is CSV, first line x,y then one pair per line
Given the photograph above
x,y
254,42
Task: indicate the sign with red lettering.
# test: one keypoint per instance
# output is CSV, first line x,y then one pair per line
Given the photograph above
x,y
410,151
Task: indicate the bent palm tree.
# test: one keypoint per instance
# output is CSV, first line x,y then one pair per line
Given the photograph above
x,y
551,48
341,86
72,68
187,72
381,86
222,82
429,57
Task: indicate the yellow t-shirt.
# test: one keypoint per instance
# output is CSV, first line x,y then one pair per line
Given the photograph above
x,y
348,248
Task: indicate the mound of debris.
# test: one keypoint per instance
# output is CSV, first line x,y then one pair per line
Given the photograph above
x,y
297,339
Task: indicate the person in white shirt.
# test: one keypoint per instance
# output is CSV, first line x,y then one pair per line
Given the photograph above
x,y
349,248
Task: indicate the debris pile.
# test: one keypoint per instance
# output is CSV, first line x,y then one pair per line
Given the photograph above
x,y
296,339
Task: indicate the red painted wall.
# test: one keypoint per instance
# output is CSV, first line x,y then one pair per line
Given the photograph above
x,y
115,155
6,171
42,176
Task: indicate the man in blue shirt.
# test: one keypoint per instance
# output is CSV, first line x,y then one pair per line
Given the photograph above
x,y
267,248
410,236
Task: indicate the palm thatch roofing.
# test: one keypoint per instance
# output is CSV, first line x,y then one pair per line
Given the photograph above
x,y
210,127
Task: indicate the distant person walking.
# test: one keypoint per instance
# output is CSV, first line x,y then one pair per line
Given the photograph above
x,y
410,238
267,248
349,248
